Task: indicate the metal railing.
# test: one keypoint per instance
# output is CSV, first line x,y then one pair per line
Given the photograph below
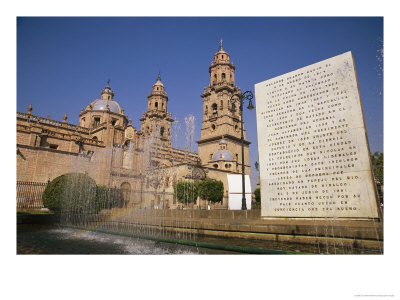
x,y
29,194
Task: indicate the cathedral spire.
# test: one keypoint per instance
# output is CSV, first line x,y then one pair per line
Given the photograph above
x,y
156,121
220,126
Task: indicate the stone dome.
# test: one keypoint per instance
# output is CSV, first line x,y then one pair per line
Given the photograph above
x,y
221,50
158,82
107,89
107,93
102,105
222,155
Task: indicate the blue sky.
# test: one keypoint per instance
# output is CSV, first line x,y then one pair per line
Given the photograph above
x,y
63,63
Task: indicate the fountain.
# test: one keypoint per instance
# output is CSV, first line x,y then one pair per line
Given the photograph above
x,y
110,214
149,210
111,209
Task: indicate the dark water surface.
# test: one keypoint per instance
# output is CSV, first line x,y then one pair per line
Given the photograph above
x,y
46,239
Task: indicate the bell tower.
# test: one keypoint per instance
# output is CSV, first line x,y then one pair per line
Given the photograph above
x,y
156,121
221,120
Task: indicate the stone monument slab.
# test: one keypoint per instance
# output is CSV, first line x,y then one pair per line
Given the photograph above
x,y
313,148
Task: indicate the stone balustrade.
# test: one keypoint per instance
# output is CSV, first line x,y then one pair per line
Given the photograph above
x,y
29,117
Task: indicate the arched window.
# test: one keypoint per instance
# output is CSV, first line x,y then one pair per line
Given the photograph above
x,y
214,108
129,145
162,131
43,141
80,152
223,75
156,104
96,121
215,166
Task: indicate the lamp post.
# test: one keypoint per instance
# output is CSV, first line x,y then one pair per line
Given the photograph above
x,y
239,97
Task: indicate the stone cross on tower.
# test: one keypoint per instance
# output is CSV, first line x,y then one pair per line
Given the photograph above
x,y
220,42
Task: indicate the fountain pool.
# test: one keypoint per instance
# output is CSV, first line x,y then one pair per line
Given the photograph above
x,y
44,239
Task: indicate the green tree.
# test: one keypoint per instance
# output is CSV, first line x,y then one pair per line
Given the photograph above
x,y
377,166
211,190
70,192
257,195
186,192
377,169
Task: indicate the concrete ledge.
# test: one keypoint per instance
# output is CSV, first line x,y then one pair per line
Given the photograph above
x,y
323,241
249,221
249,225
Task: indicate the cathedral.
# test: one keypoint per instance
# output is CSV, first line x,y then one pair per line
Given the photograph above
x,y
139,161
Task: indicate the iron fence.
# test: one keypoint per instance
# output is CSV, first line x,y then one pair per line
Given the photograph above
x,y
29,194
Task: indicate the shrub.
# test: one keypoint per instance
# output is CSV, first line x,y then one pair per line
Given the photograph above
x,y
186,192
102,197
211,190
70,192
107,198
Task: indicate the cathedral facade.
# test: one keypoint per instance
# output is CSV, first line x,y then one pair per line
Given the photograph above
x,y
141,162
